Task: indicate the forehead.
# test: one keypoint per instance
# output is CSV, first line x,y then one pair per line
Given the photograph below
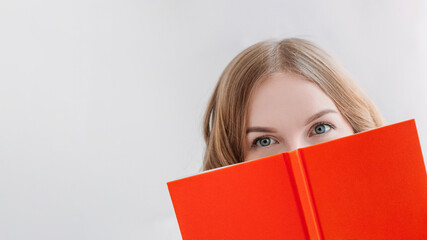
x,y
286,98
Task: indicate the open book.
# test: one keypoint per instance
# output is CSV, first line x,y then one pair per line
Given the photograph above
x,y
370,185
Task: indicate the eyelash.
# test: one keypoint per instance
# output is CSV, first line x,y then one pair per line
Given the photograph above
x,y
254,143
321,123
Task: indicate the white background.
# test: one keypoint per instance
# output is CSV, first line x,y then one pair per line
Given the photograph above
x,y
101,102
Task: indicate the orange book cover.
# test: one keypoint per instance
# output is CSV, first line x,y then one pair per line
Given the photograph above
x,y
370,185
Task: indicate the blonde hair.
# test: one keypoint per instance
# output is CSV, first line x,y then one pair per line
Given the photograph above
x,y
225,117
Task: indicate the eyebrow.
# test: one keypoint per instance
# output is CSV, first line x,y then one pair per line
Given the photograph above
x,y
319,114
272,130
260,129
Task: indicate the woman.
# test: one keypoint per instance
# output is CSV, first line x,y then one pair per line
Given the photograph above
x,y
277,96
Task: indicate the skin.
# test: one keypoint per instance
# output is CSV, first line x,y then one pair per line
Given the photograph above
x,y
287,112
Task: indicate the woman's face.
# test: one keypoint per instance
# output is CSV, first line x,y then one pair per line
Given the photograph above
x,y
287,112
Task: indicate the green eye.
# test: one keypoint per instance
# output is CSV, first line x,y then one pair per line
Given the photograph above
x,y
321,128
263,142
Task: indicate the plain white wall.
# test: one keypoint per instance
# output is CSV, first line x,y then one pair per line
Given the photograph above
x,y
101,102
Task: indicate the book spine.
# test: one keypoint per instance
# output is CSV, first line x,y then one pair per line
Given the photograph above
x,y
305,195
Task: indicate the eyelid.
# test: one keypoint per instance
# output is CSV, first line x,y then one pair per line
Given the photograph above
x,y
319,123
254,145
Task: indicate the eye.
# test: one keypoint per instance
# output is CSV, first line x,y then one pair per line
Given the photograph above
x,y
321,128
263,142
